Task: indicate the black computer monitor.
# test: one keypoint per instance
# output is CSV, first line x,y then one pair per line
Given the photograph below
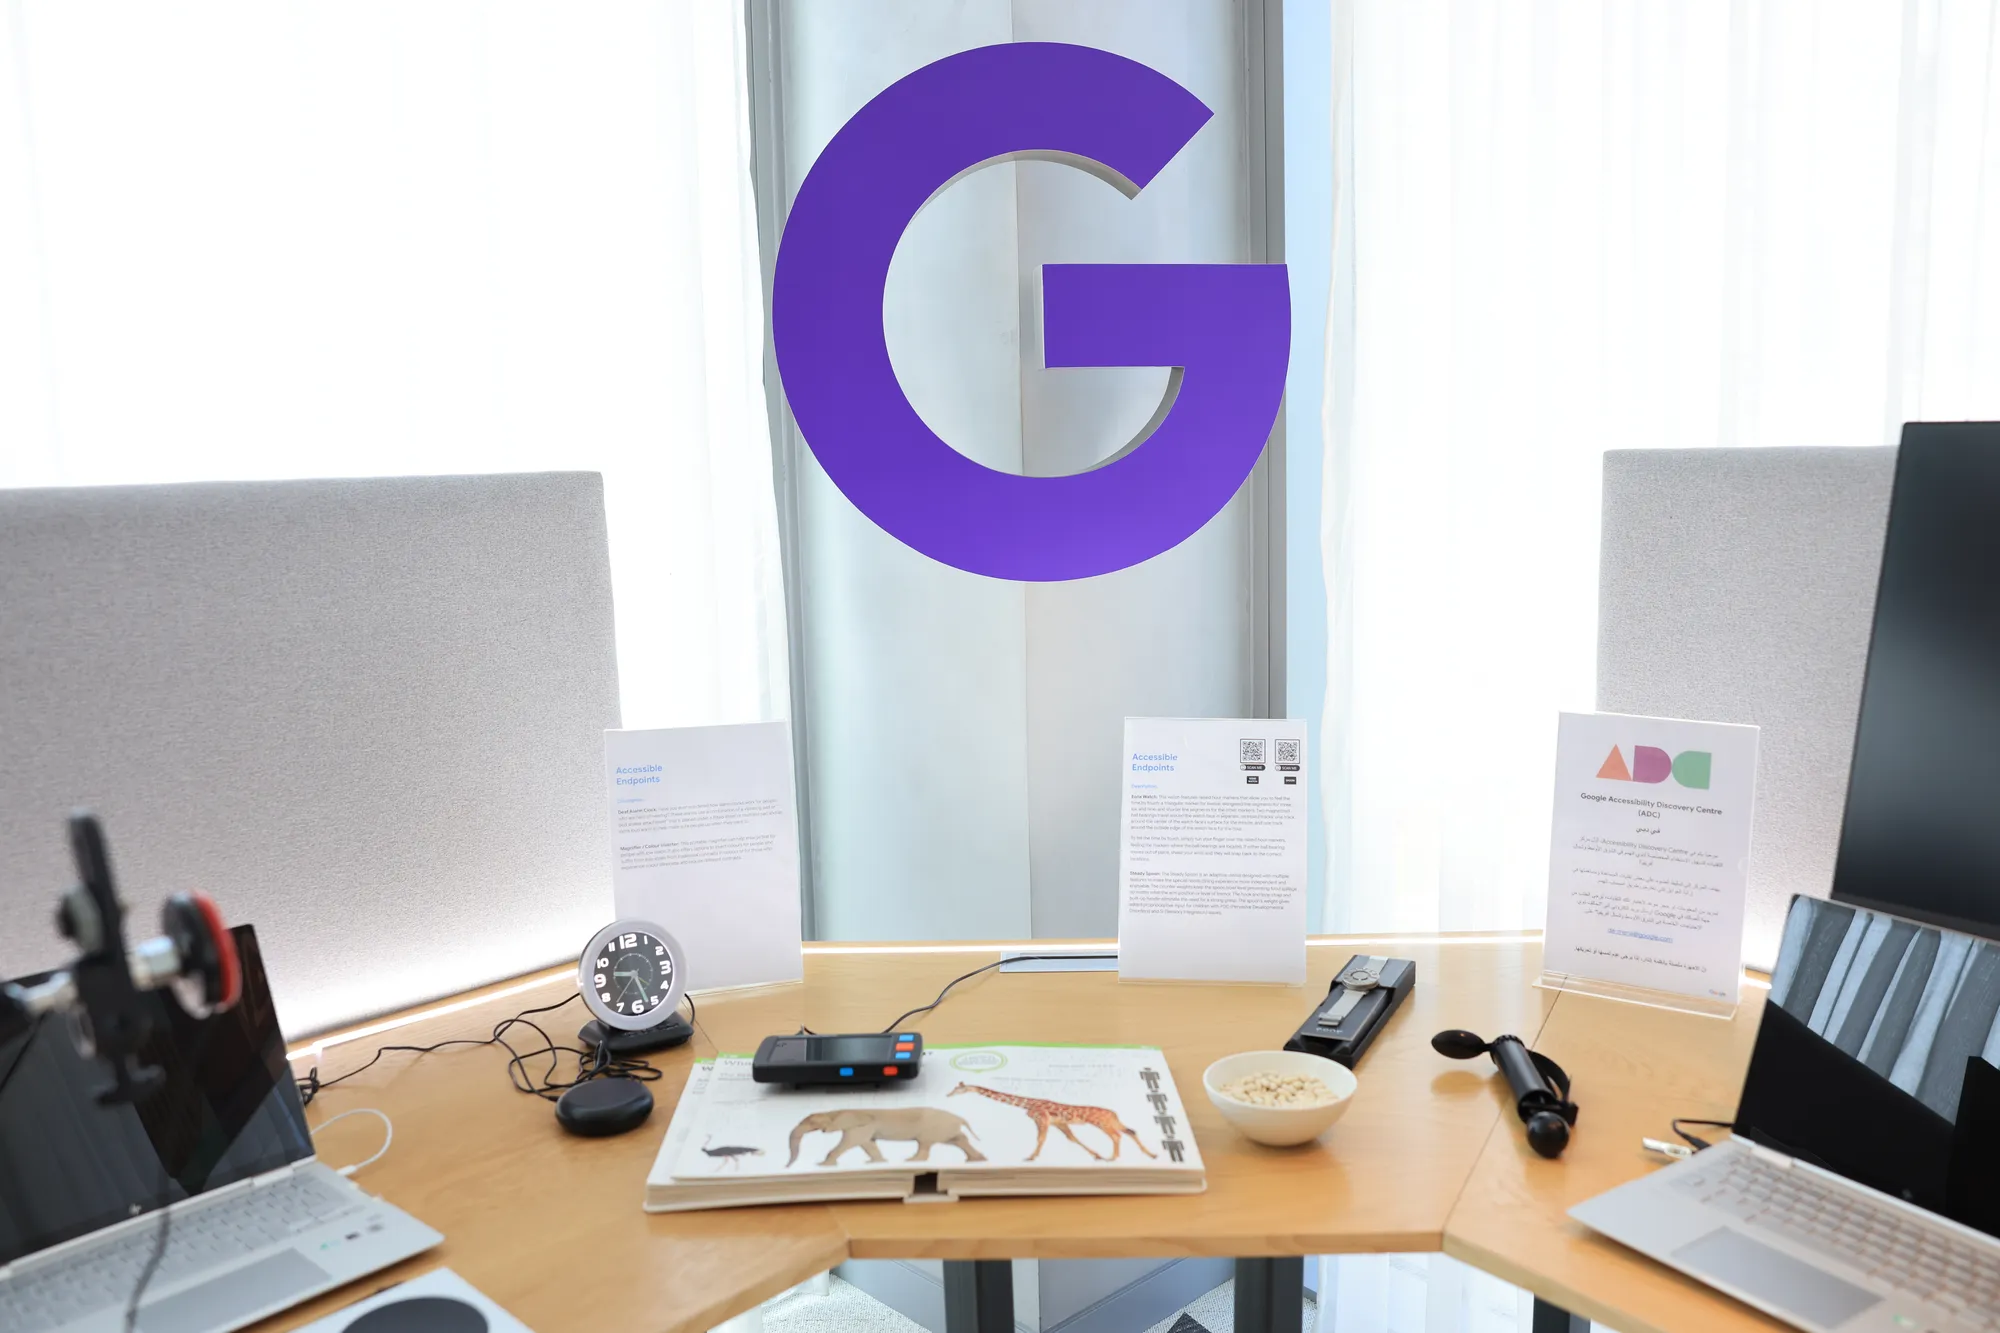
x,y
1921,836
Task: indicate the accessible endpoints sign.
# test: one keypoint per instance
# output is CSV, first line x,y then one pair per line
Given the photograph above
x,y
1224,328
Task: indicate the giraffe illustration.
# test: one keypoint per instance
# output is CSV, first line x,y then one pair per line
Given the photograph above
x,y
1062,1115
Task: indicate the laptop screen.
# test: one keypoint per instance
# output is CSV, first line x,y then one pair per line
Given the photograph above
x,y
1876,1058
226,1110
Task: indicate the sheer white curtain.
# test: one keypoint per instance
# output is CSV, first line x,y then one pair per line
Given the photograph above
x,y
252,238
1567,227
1562,228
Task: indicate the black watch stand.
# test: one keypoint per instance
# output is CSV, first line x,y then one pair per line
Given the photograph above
x,y
673,1030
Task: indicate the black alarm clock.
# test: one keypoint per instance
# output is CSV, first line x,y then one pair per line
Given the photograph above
x,y
632,976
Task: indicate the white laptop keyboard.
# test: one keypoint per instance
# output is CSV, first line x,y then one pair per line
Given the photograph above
x,y
1926,1262
215,1236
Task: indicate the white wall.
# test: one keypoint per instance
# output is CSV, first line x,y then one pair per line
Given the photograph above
x,y
963,732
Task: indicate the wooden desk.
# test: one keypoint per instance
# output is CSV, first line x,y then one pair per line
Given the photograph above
x,y
1634,1067
1423,1161
1384,1179
547,1224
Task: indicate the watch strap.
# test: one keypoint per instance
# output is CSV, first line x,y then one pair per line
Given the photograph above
x,y
1351,995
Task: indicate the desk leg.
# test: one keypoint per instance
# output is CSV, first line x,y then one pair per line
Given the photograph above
x,y
1271,1295
978,1296
1555,1319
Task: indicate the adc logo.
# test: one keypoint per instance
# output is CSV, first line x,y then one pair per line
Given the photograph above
x,y
1689,768
1224,328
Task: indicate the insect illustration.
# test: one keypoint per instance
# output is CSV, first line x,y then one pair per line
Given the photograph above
x,y
732,1155
1062,1115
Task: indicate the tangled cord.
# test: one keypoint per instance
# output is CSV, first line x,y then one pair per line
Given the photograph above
x,y
591,1064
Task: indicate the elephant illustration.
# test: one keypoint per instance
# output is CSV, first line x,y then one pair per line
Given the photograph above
x,y
863,1127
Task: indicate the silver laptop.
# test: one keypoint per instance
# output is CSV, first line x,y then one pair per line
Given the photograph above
x,y
255,1223
1861,1189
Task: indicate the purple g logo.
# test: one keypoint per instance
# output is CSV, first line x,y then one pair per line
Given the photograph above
x,y
1225,328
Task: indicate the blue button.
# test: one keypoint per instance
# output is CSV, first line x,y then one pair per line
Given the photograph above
x,y
907,1036
902,1055
847,1073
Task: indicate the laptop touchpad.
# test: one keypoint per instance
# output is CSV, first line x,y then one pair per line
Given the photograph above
x,y
276,1281
1796,1287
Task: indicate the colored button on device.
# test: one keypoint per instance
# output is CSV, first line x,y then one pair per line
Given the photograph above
x,y
902,1055
907,1036
888,1071
847,1073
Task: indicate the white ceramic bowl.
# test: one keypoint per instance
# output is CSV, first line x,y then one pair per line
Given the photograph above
x,y
1280,1126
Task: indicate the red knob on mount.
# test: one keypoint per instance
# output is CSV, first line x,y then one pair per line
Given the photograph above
x,y
209,964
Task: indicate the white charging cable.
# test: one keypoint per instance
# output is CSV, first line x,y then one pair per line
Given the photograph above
x,y
388,1135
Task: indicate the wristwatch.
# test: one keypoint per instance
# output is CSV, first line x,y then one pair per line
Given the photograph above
x,y
1362,976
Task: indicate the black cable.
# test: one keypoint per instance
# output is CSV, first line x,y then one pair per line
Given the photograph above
x,y
1014,958
591,1063
159,1253
1695,1141
159,1247
312,1084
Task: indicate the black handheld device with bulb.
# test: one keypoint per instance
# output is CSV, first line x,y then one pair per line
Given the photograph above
x,y
1540,1087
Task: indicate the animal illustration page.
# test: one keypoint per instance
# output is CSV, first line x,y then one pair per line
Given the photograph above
x,y
972,1108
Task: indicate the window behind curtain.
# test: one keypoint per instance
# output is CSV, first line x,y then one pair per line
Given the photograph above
x,y
1559,229
244,238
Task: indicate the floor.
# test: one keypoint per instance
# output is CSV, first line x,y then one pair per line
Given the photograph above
x,y
1393,1293
843,1309
1216,1313
847,1309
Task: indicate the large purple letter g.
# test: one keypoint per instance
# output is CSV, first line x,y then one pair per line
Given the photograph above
x,y
1227,327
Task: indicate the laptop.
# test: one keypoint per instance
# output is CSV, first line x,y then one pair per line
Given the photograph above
x,y
255,1222
1861,1189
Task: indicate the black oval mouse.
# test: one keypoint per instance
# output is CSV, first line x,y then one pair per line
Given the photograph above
x,y
604,1106
421,1314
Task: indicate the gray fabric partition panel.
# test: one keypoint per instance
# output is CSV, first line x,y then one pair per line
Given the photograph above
x,y
366,715
1738,585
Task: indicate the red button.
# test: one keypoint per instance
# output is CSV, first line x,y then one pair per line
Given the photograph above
x,y
888,1071
906,1046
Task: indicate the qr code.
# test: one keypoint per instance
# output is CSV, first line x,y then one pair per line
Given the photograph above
x,y
1249,752
1288,752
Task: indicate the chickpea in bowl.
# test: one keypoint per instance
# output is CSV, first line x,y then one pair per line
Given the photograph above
x,y
1279,1098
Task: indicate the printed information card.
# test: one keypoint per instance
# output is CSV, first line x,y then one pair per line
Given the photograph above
x,y
1650,855
1212,850
705,843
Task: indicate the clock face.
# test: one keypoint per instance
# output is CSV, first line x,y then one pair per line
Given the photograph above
x,y
630,975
